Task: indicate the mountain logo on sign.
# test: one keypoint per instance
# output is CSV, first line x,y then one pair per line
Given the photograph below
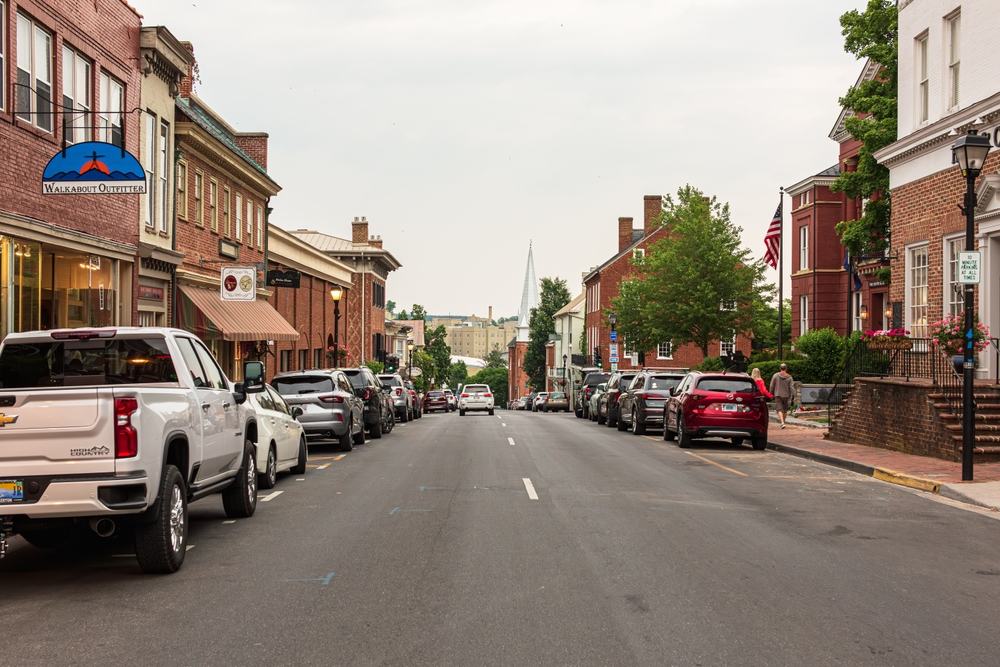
x,y
93,167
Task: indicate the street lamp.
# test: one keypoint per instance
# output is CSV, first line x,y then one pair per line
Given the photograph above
x,y
863,314
409,360
970,152
336,294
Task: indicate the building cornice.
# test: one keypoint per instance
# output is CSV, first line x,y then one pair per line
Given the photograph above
x,y
212,150
286,249
839,132
806,183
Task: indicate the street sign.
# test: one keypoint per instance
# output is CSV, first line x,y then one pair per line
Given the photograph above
x,y
968,267
614,366
279,278
614,335
613,349
238,284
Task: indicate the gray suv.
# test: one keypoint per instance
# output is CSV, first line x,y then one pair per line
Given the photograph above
x,y
402,401
330,408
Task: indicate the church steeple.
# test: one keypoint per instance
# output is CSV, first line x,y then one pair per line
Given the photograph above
x,y
529,297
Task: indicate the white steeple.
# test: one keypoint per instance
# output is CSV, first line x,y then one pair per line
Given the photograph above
x,y
529,298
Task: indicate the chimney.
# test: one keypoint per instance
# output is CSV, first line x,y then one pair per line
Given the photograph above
x,y
489,315
359,230
624,233
375,241
652,206
187,80
253,144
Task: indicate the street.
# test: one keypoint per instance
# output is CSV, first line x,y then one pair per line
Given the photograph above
x,y
428,547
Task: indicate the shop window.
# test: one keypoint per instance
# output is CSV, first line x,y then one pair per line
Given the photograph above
x,y
34,73
76,96
78,290
285,361
303,360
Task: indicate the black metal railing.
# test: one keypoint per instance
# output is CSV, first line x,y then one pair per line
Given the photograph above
x,y
995,344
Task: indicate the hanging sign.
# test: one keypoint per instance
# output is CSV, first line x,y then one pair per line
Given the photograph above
x,y
93,168
968,267
279,278
239,283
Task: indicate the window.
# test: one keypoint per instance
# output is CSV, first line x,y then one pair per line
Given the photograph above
x,y
665,350
917,291
162,170
318,358
182,202
149,159
803,247
803,314
303,360
953,32
225,212
805,198
78,362
109,124
198,375
34,74
199,209
260,226
150,318
285,362
213,204
239,217
76,96
954,297
3,62
923,91
249,222
216,379
727,347
856,304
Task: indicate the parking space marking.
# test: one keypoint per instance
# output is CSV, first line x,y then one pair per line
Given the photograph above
x,y
190,547
530,488
340,457
228,521
271,496
323,467
717,464
510,441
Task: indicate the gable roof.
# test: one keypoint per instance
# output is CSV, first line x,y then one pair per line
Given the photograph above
x,y
839,132
573,306
826,176
642,237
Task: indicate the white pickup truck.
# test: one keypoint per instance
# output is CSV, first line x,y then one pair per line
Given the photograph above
x,y
112,429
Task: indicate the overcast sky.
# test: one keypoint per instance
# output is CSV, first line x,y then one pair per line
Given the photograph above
x,y
464,128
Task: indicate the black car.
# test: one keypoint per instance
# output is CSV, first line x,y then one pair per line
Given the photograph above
x,y
641,405
369,388
617,383
590,382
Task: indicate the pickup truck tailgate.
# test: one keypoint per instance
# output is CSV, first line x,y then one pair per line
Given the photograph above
x,y
57,432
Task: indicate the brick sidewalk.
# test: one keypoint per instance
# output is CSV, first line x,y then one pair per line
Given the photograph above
x,y
810,440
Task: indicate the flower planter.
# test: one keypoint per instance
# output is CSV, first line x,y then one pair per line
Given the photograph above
x,y
889,343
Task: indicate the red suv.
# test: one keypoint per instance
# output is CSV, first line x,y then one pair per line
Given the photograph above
x,y
716,405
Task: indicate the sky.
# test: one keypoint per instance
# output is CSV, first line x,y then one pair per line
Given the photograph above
x,y
465,129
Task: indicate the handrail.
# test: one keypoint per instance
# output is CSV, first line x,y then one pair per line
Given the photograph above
x,y
995,343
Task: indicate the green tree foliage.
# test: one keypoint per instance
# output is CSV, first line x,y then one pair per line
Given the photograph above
x,y
824,352
417,312
554,295
697,284
496,359
390,306
436,346
402,315
764,326
870,34
458,375
425,362
496,378
375,366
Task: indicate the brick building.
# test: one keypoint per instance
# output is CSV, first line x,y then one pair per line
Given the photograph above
x,y
517,379
223,194
370,266
601,286
309,307
65,260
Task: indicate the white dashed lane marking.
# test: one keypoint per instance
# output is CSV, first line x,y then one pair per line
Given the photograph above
x,y
530,488
510,441
271,496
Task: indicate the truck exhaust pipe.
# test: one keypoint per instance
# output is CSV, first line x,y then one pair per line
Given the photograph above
x,y
103,527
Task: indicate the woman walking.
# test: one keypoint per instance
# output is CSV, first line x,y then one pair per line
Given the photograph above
x,y
759,381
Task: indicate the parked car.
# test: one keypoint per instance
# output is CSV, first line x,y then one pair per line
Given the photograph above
x,y
521,403
476,397
590,380
281,442
721,405
402,401
452,401
435,401
417,400
112,429
641,406
369,389
330,407
531,401
617,384
593,409
540,398
557,401
388,411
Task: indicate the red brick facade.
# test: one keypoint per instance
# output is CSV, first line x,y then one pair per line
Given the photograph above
x,y
517,378
310,310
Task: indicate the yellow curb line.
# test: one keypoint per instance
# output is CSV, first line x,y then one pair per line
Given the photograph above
x,y
907,480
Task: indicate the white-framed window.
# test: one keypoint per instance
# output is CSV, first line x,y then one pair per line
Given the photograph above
x,y
803,247
213,204
199,209
665,350
227,229
727,348
803,314
260,226
805,198
727,304
3,54
856,304
163,169
638,253
76,96
34,73
149,162
923,83
111,104
182,202
954,297
249,221
239,217
953,25
916,290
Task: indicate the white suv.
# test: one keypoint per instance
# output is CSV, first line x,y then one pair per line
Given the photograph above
x,y
475,397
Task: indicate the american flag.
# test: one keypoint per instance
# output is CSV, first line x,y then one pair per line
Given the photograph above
x,y
772,240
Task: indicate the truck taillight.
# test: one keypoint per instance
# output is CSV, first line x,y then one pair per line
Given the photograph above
x,y
126,438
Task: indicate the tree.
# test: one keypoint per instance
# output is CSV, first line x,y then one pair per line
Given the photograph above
x,y
440,353
458,375
496,378
765,322
418,312
403,315
375,366
425,363
390,306
554,295
496,359
697,284
870,34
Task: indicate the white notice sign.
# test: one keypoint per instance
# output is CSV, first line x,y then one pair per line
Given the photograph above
x,y
968,267
238,284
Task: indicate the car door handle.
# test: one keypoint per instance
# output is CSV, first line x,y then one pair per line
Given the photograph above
x,y
226,406
205,406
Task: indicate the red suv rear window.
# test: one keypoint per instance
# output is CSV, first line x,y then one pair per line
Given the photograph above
x,y
726,385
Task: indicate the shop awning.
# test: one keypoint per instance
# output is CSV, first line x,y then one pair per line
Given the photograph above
x,y
206,313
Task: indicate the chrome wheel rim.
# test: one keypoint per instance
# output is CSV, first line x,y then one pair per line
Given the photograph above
x,y
176,519
251,478
272,466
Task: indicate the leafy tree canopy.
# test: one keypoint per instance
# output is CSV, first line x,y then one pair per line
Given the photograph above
x,y
403,315
390,306
418,312
458,375
496,378
496,359
554,295
436,346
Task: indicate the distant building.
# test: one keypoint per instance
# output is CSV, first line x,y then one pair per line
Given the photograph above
x,y
518,345
567,340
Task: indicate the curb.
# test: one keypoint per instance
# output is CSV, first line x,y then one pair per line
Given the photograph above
x,y
949,491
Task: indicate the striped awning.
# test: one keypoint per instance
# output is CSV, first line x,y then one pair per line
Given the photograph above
x,y
204,312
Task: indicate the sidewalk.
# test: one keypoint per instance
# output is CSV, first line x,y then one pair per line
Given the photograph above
x,y
919,472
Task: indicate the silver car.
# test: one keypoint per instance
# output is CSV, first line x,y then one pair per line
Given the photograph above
x,y
330,408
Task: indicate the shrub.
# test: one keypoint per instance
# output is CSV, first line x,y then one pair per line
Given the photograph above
x,y
824,351
710,364
375,366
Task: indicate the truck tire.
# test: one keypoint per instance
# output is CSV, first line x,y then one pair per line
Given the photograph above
x,y
269,477
300,467
160,545
240,498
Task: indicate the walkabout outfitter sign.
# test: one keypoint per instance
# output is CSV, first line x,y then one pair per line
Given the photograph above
x,y
93,168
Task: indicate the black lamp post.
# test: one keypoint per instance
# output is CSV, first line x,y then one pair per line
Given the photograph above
x,y
409,360
336,294
970,153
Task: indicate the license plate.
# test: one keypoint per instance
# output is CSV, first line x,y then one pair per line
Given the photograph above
x,y
730,407
11,491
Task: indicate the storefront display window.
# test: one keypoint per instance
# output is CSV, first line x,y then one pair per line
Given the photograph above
x,y
26,285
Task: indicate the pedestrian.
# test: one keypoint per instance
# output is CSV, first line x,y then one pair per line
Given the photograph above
x,y
759,381
739,362
781,387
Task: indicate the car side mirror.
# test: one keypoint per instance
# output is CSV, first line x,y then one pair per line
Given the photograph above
x,y
253,377
673,391
239,393
296,412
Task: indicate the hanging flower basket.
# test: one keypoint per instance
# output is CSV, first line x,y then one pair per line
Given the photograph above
x,y
888,339
948,335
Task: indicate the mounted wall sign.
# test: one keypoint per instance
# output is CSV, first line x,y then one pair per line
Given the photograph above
x,y
279,278
93,168
239,283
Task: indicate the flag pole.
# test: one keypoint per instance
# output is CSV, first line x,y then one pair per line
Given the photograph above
x,y
781,272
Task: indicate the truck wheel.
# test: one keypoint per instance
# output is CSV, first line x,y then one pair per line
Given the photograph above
x,y
346,442
270,475
160,545
240,498
300,467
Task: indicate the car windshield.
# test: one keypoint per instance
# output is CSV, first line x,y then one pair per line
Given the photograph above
x,y
297,385
727,385
665,382
357,378
557,394
390,380
596,378
476,389
75,363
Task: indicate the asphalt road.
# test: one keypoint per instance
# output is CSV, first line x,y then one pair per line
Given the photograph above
x,y
429,547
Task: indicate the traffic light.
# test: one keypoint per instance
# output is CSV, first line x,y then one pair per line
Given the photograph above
x,y
597,356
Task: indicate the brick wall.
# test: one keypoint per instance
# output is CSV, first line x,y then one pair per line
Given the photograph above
x,y
360,301
253,144
310,310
